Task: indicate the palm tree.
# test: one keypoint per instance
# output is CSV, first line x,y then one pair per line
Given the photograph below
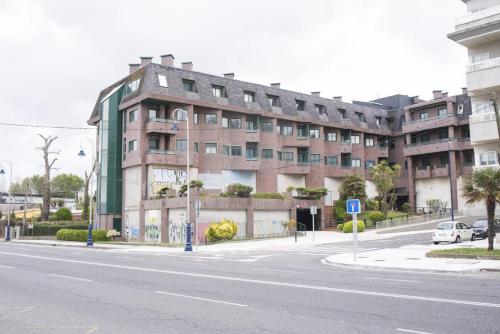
x,y
485,186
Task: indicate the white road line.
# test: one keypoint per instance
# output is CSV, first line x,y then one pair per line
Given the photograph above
x,y
264,282
393,279
7,267
71,277
199,298
411,331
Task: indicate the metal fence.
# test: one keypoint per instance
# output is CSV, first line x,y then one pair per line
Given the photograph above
x,y
409,220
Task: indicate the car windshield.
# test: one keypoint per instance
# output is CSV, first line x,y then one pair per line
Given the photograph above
x,y
444,226
480,223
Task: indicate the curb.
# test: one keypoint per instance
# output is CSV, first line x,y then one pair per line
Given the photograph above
x,y
464,256
59,245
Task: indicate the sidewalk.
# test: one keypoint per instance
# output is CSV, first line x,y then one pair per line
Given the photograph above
x,y
412,257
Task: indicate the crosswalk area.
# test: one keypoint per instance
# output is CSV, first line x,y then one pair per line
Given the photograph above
x,y
325,250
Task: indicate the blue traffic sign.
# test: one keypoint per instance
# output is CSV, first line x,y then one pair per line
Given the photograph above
x,y
353,206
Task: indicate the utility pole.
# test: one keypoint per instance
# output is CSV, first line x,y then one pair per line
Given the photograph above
x,y
496,107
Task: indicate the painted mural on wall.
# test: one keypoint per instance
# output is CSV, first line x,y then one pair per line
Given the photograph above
x,y
132,227
172,178
152,226
176,226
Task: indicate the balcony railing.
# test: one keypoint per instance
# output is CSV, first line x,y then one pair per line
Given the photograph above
x,y
413,121
430,142
483,65
161,120
158,151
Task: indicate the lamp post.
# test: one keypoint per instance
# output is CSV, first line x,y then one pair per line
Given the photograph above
x,y
90,241
2,172
451,182
189,242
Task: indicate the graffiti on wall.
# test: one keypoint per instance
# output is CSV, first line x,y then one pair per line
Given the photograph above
x,y
132,227
152,227
171,178
269,227
176,232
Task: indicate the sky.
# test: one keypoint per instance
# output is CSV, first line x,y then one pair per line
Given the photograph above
x,y
56,55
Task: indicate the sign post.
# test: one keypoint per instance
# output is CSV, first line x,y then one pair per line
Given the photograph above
x,y
353,206
197,206
314,211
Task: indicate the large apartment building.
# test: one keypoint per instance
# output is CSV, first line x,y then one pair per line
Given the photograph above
x,y
263,136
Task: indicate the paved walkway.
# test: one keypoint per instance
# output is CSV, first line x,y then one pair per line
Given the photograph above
x,y
412,257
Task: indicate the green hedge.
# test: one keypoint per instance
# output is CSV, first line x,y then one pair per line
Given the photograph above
x,y
63,214
46,229
81,235
268,195
347,227
376,216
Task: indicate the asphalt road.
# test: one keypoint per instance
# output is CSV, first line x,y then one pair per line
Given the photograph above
x,y
47,289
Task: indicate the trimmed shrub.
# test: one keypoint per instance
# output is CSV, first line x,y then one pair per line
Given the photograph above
x,y
371,204
311,193
347,228
339,210
193,184
405,207
376,216
49,229
81,235
238,190
340,227
224,230
63,214
268,195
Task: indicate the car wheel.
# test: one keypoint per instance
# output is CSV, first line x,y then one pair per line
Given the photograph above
x,y
435,242
473,237
457,240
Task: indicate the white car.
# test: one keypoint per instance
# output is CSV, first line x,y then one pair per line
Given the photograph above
x,y
452,231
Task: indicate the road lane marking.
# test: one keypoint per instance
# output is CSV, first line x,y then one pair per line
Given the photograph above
x,y
411,331
264,282
202,299
71,277
7,267
393,279
24,310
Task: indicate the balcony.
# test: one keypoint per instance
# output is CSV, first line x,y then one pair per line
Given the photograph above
x,y
477,27
484,75
166,157
338,171
383,151
428,171
441,145
161,125
430,123
483,127
290,167
293,141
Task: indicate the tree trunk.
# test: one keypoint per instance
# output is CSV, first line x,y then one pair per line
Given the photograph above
x,y
490,209
46,190
86,198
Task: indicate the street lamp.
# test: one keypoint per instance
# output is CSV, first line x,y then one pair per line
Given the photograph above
x,y
90,241
2,172
189,242
451,182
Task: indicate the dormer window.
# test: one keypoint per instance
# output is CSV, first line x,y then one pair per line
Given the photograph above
x,y
132,87
360,117
300,105
249,96
274,101
389,120
343,113
189,85
162,80
378,120
320,109
219,91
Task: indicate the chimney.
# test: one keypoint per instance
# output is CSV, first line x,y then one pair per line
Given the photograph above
x,y
315,93
275,85
437,94
464,90
146,60
229,75
337,98
445,94
134,67
188,66
167,60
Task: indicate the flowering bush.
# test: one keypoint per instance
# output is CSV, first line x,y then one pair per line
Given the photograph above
x,y
224,230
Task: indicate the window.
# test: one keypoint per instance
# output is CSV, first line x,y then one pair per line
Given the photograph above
x,y
360,117
195,118
331,136
488,158
424,115
286,130
196,147
274,101
236,150
345,136
162,80
356,163
466,133
303,155
442,111
152,114
314,133
189,85
267,153
480,57
302,130
132,87
369,164
315,158
460,109
378,120
267,126
343,113
124,147
355,139
425,162
132,116
225,150
300,105
468,158
219,91
210,148
180,145
225,122
286,156
154,143
210,118
443,134
249,96
443,159
424,138
132,145
332,160
320,109
252,151
389,121
251,123
235,123
382,141
369,142
181,114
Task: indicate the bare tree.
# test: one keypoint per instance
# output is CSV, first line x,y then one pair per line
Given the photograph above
x,y
45,148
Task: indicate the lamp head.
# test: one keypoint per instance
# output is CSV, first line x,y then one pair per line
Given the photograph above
x,y
2,171
81,153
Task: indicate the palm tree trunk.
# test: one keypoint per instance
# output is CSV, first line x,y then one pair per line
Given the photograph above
x,y
490,209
